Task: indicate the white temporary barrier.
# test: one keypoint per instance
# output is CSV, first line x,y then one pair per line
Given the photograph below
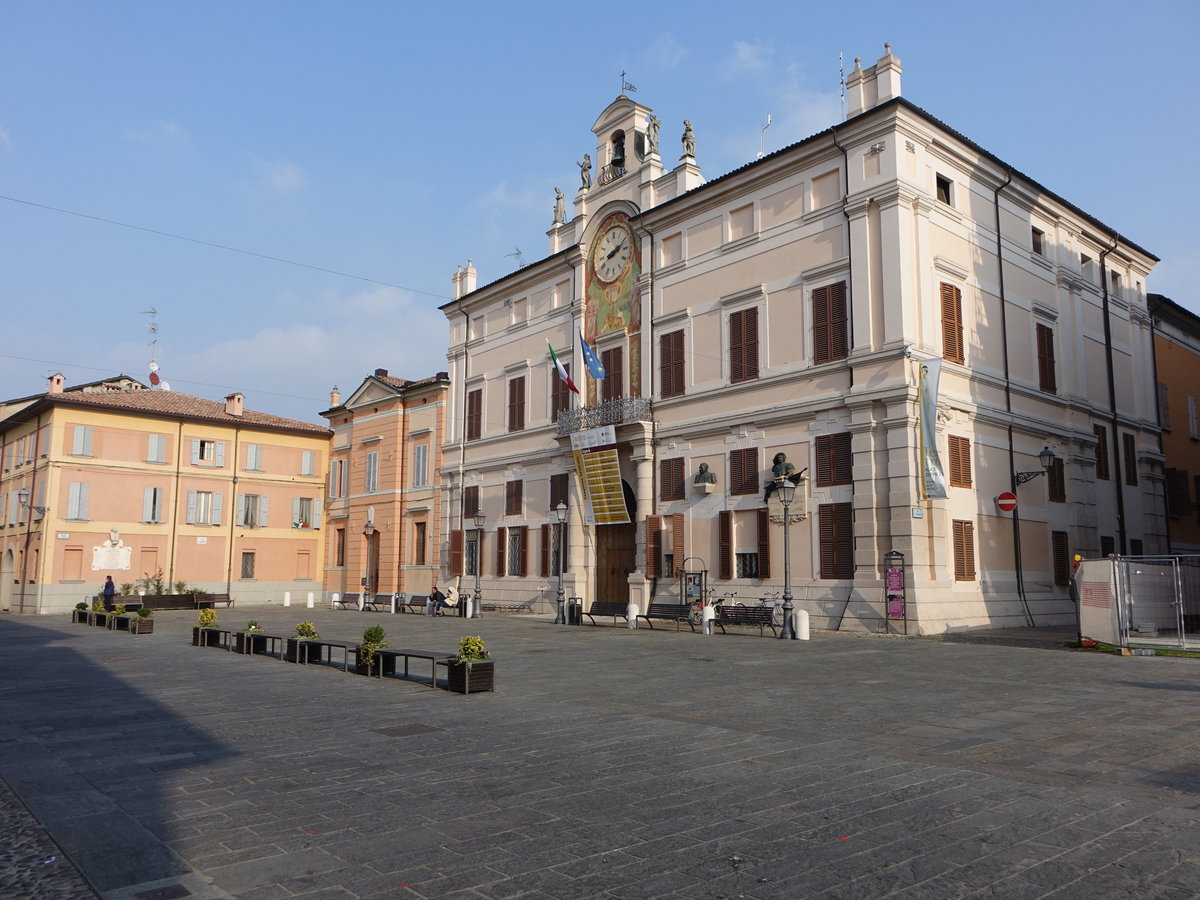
x,y
800,623
311,599
632,611
287,598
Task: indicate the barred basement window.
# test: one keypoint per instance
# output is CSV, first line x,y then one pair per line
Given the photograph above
x,y
747,565
247,564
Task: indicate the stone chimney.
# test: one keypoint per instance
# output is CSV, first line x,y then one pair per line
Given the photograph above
x,y
233,404
56,384
464,280
381,373
335,397
868,88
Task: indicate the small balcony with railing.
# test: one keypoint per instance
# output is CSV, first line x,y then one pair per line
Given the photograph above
x,y
622,411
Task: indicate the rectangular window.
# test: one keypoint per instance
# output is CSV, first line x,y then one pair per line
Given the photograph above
x,y
420,465
960,461
514,496
560,394
952,323
613,360
1193,421
516,404
836,524
247,564
1107,545
764,542
252,510
339,551
156,448
1136,548
77,500
81,441
1045,359
501,550
152,505
208,453
1164,407
419,539
746,565
1129,451
670,476
943,190
371,475
1179,497
517,551
964,550
1056,482
308,462
743,471
471,553
1037,240
1114,282
830,331
1102,470
306,512
677,555
834,459
339,470
724,545
670,365
254,458
470,501
743,345
204,508
1061,554
558,490
1086,269
474,414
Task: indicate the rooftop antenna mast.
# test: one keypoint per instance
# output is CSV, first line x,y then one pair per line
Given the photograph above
x,y
761,135
518,256
152,325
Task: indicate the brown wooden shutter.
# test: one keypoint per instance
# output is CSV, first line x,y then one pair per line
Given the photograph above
x,y
764,542
743,345
824,448
653,546
677,548
836,531
670,367
670,473
743,471
952,329
558,490
613,361
1056,482
1062,557
964,550
474,415
560,394
1129,448
725,542
843,458
820,318
960,461
1179,498
457,538
516,404
546,573
470,501
514,495
839,332
1102,469
501,549
523,560
1045,352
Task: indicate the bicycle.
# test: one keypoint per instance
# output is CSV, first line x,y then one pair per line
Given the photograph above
x,y
771,599
696,613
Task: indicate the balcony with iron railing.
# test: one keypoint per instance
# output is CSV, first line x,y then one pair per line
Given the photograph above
x,y
621,411
611,172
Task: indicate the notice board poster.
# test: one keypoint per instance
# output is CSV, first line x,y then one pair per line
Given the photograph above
x,y
599,471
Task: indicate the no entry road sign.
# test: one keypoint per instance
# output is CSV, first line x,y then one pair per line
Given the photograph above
x,y
1007,501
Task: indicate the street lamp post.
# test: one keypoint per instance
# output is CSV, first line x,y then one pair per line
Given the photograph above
x,y
786,491
1046,458
479,519
560,513
368,532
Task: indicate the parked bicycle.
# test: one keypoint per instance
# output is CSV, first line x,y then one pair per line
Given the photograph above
x,y
771,599
696,613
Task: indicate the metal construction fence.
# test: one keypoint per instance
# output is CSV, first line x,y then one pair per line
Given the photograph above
x,y
1142,600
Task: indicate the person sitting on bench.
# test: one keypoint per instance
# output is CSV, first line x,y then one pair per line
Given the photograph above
x,y
438,600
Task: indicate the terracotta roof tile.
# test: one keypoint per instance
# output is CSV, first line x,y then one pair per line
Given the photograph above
x,y
172,403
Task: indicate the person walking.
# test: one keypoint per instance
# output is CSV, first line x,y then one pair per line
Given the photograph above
x,y
109,590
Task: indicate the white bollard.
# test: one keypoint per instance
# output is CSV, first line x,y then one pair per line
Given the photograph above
x,y
362,601
287,598
632,611
311,600
801,625
707,617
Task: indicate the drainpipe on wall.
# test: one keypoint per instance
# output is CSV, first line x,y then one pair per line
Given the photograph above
x,y
849,246
237,436
1153,308
175,511
1118,473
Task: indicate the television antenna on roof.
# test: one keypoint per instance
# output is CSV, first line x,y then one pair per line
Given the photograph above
x,y
152,325
518,255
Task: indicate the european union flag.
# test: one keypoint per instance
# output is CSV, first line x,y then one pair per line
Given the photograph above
x,y
591,360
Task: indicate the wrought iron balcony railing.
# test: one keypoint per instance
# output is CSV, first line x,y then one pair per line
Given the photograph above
x,y
610,412
611,173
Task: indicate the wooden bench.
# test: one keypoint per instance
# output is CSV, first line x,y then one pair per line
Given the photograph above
x,y
671,612
385,661
746,615
615,608
203,637
347,601
526,607
311,644
209,601
378,602
415,604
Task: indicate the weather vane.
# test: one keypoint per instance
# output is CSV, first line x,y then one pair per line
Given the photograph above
x,y
625,85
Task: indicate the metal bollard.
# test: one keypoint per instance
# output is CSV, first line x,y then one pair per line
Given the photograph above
x,y
311,600
801,624
632,611
287,598
707,617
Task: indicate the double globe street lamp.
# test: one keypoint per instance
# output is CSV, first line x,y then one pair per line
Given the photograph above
x,y
785,490
560,513
478,518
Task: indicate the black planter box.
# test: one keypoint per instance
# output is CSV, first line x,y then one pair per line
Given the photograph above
x,y
472,677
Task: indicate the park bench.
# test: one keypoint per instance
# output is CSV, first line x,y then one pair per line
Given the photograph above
x,y
316,644
378,603
210,601
347,601
746,615
526,607
615,608
671,612
385,661
415,604
203,636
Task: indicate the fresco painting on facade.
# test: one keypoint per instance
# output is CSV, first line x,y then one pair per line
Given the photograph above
x,y
876,242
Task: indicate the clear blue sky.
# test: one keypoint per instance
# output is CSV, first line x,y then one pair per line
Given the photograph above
x,y
392,141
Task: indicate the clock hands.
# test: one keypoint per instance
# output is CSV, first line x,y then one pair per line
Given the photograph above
x,y
615,250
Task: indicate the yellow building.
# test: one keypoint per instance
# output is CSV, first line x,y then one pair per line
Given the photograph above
x,y
1176,361
384,463
117,479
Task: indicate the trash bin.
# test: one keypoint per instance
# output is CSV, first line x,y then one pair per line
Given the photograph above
x,y
575,611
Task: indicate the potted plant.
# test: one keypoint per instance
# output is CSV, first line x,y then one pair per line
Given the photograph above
x,y
374,639
80,613
98,615
305,631
244,641
143,622
208,619
473,669
117,619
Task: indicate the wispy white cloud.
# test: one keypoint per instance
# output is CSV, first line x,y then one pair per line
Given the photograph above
x,y
746,58
666,52
5,140
501,196
160,133
280,176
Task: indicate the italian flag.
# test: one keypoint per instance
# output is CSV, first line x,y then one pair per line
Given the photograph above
x,y
562,372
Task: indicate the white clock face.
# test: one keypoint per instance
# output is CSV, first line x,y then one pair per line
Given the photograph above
x,y
613,252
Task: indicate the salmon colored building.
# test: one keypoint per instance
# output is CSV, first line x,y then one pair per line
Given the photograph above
x,y
117,479
1176,362
384,463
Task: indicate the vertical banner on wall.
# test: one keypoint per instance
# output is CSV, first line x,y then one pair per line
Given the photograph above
x,y
599,471
933,481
